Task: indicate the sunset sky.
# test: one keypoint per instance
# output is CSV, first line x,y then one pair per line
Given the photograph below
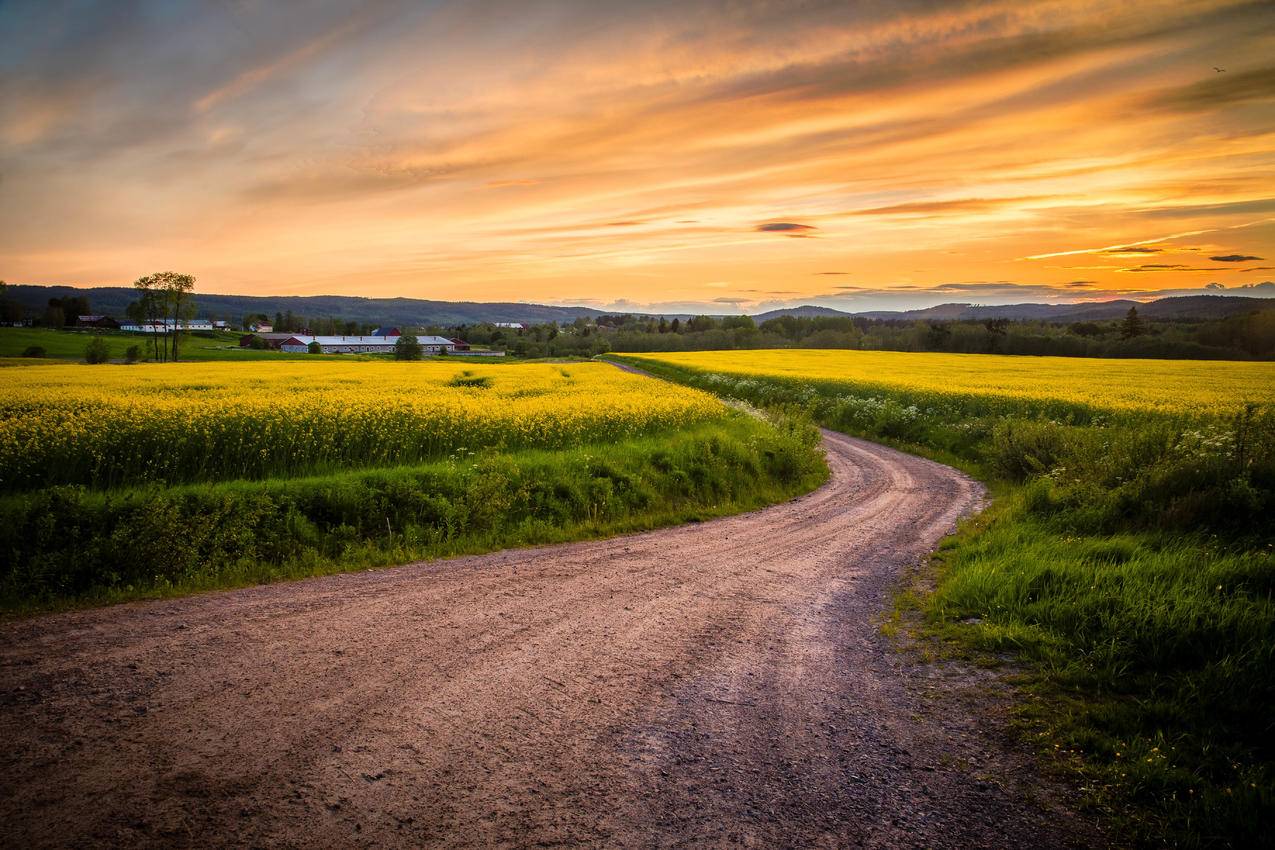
x,y
659,155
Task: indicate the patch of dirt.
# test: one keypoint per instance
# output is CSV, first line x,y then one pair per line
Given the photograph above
x,y
721,684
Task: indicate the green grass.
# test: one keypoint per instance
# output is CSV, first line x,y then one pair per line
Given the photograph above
x,y
1127,564
70,345
67,546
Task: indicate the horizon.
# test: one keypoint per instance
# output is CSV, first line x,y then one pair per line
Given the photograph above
x,y
1259,291
677,159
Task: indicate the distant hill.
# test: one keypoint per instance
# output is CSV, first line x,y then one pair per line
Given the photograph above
x,y
112,301
804,311
1180,307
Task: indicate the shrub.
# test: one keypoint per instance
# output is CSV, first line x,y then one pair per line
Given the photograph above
x,y
132,354
34,351
97,351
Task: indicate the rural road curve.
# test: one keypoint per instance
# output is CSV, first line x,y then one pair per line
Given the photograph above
x,y
722,684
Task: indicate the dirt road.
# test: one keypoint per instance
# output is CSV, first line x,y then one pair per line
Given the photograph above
x,y
723,684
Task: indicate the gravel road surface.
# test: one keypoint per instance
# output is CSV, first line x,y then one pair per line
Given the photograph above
x,y
721,684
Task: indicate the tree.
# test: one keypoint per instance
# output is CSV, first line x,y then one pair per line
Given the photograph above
x,y
167,295
97,351
10,311
314,347
132,354
676,326
997,329
407,347
72,307
147,310
937,336
53,316
1132,325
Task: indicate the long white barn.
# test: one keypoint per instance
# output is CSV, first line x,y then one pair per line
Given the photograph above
x,y
364,344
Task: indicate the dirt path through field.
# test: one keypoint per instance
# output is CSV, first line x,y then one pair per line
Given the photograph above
x,y
723,684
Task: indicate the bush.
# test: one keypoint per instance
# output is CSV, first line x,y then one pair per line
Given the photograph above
x,y
97,351
407,347
314,348
132,354
34,351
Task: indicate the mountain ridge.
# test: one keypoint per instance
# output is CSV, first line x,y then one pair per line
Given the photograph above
x,y
112,300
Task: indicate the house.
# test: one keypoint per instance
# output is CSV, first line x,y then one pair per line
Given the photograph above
x,y
387,332
220,325
96,321
261,328
518,326
460,345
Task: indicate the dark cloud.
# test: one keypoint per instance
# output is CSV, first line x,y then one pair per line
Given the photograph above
x,y
788,228
1235,258
1171,267
1080,284
832,273
726,300
1133,249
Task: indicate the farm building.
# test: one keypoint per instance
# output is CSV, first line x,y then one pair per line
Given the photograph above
x,y
272,340
96,322
164,326
387,332
364,344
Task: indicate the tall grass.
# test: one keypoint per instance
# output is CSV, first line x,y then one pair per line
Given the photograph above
x,y
73,545
1130,564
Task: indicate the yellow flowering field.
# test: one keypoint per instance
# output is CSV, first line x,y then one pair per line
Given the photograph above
x,y
1165,386
109,425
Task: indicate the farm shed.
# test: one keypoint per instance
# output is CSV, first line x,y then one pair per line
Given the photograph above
x,y
96,322
364,344
271,340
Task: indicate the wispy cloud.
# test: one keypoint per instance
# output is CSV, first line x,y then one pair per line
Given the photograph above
x,y
617,150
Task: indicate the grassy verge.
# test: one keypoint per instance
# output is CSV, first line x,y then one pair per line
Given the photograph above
x,y
1128,563
68,546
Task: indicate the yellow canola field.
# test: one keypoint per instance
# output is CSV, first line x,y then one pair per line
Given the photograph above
x,y
1165,386
107,425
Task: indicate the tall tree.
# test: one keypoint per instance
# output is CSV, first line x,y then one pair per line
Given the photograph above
x,y
1132,325
165,295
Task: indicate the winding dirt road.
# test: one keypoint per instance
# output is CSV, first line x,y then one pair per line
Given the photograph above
x,y
723,684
